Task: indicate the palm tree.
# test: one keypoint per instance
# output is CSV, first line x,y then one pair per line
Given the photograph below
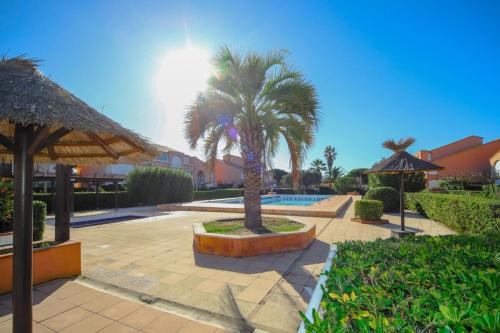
x,y
399,146
335,173
318,166
330,156
251,101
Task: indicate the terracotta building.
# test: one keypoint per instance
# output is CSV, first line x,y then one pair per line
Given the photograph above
x,y
468,157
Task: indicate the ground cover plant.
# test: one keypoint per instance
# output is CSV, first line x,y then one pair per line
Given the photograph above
x,y
237,227
418,284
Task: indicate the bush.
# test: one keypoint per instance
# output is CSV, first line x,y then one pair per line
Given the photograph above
x,y
464,214
39,215
414,182
369,209
6,206
416,284
388,196
218,194
344,184
154,185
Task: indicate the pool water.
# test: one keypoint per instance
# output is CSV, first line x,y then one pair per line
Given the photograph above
x,y
280,200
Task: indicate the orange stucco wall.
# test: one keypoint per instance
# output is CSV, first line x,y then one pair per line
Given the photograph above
x,y
227,173
469,162
60,261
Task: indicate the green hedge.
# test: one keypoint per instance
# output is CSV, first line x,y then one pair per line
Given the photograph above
x,y
87,200
465,214
39,214
154,185
388,196
416,284
369,209
218,194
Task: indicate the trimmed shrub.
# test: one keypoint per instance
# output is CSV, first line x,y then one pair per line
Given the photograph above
x,y
218,194
462,213
388,196
39,214
415,284
153,185
369,209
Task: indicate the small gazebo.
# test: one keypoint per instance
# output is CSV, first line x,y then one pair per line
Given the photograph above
x,y
42,122
402,163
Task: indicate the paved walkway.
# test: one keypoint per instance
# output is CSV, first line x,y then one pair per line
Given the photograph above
x,y
71,307
156,258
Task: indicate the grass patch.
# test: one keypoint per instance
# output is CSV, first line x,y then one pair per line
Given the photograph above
x,y
237,226
418,284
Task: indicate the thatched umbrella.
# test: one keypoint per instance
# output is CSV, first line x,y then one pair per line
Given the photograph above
x,y
400,163
42,122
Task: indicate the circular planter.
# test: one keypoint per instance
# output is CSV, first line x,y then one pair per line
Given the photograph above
x,y
251,245
358,220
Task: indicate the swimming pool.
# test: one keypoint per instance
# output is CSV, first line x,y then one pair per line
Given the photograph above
x,y
280,200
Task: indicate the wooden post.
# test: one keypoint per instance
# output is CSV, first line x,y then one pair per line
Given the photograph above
x,y
22,284
63,202
402,199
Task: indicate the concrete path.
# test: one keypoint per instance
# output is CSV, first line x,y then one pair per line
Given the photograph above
x,y
155,258
71,307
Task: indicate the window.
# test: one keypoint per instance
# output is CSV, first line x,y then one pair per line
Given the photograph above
x,y
176,162
163,157
186,159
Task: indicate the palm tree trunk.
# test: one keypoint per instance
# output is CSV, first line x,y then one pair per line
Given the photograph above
x,y
253,181
252,172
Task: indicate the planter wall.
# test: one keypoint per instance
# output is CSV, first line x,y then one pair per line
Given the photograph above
x,y
245,246
59,261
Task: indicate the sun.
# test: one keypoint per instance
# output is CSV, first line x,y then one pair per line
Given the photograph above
x,y
181,75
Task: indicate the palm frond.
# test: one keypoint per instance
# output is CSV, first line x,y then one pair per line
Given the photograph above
x,y
399,146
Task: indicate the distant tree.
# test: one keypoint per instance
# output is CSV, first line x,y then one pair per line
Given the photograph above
x,y
278,174
344,184
318,166
335,173
310,177
359,173
330,156
307,178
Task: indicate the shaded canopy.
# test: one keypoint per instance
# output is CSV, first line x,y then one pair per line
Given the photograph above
x,y
72,131
403,162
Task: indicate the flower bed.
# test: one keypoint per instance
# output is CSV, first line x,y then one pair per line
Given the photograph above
x,y
416,284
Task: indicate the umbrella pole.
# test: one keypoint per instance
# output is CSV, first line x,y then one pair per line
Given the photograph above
x,y
402,199
22,284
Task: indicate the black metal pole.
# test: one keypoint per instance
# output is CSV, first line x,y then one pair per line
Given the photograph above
x,y
97,195
116,195
402,199
63,202
22,284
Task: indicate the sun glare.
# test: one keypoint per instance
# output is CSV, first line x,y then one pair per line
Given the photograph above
x,y
181,75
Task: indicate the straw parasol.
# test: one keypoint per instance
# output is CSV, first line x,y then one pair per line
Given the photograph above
x,y
42,122
400,163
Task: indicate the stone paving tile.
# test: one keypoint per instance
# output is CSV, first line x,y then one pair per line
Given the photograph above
x,y
209,286
91,324
120,309
118,327
62,320
197,327
166,323
141,317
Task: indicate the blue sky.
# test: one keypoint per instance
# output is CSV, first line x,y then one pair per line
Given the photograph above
x,y
383,69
